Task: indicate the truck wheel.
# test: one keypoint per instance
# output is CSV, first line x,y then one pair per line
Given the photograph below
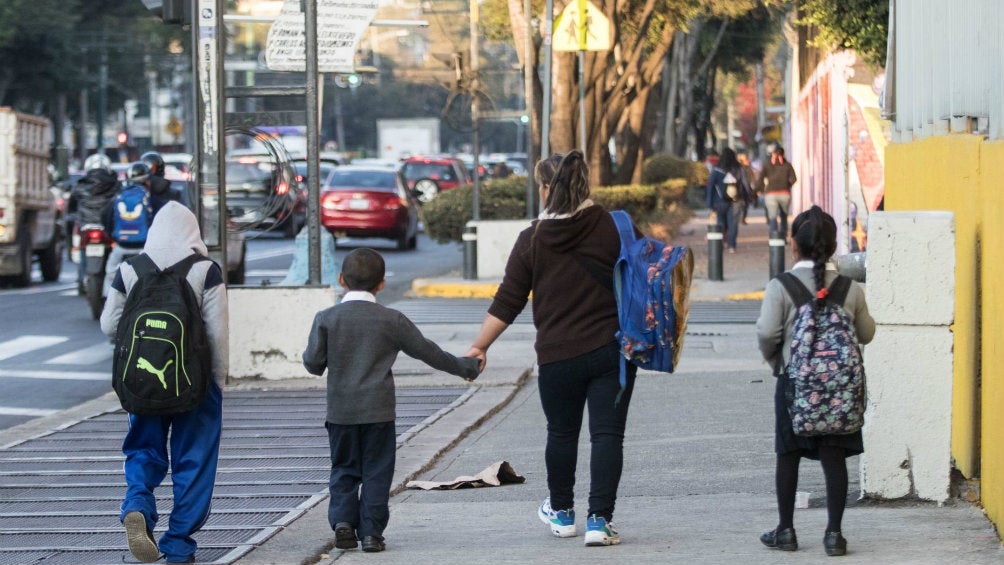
x,y
24,252
50,259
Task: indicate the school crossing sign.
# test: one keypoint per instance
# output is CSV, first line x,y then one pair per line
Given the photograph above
x,y
581,26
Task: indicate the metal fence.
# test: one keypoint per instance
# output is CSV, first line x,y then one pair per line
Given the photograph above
x,y
946,68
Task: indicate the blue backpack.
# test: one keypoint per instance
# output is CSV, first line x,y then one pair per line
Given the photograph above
x,y
652,287
825,392
133,215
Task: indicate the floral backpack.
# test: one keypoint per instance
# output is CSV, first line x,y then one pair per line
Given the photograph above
x,y
826,373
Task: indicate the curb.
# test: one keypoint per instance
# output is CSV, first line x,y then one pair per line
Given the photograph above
x,y
437,289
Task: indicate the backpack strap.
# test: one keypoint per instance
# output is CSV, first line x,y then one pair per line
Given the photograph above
x,y
182,267
143,265
837,291
625,229
624,226
799,293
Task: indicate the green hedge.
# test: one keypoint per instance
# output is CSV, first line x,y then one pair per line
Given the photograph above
x,y
664,166
505,199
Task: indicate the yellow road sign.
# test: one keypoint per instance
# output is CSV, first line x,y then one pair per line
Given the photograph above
x,y
174,127
581,27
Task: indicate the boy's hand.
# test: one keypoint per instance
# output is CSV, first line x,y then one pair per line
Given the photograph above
x,y
474,368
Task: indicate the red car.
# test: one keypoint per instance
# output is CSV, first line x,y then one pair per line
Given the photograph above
x,y
430,175
362,201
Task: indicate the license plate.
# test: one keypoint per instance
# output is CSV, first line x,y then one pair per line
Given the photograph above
x,y
95,250
359,204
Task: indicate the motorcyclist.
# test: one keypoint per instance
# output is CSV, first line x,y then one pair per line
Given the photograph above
x,y
160,188
128,218
90,199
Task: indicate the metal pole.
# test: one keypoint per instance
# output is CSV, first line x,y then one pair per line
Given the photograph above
x,y
776,253
545,118
715,242
102,89
528,104
313,144
470,230
582,101
219,135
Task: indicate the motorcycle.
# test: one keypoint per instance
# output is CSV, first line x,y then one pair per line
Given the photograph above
x,y
96,245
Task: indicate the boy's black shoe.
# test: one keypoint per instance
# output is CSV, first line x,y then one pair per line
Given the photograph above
x,y
345,536
373,544
777,538
834,544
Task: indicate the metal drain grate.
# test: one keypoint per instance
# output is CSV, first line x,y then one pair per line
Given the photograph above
x,y
61,492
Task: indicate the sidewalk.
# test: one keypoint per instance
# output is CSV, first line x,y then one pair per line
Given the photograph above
x,y
697,485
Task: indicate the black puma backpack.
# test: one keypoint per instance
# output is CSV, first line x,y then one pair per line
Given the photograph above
x,y
162,362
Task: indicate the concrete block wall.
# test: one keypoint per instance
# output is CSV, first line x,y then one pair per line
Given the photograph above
x,y
495,241
908,366
269,328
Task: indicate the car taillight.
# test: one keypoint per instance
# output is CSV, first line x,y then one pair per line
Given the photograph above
x,y
331,201
392,202
282,187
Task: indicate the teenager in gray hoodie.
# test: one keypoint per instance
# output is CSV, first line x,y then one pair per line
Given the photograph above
x,y
194,436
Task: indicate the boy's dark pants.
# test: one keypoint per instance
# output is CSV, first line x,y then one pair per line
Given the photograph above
x,y
361,453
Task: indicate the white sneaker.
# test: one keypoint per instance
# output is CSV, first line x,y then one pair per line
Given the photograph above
x,y
600,532
561,522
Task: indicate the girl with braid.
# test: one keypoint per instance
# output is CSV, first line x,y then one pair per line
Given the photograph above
x,y
564,259
813,242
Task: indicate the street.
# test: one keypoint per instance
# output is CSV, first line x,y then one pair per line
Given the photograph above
x,y
53,356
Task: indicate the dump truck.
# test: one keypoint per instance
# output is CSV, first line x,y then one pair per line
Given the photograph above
x,y
30,207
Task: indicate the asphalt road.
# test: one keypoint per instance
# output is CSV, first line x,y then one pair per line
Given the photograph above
x,y
53,356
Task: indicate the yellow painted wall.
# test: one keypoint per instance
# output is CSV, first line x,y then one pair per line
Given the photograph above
x,y
963,173
992,260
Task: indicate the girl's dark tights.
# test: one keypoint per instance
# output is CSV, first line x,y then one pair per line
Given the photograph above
x,y
834,462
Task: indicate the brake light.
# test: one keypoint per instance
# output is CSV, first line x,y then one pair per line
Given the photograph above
x,y
331,201
392,202
282,187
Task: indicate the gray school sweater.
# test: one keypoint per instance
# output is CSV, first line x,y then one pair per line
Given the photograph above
x,y
358,342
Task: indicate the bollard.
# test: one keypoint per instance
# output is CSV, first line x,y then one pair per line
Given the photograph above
x,y
470,238
715,243
776,243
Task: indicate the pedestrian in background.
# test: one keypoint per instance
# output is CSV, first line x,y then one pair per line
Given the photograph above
x,y
776,180
748,180
814,240
194,436
575,314
357,341
725,195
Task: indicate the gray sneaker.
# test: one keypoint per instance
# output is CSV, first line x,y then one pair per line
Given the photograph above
x,y
141,542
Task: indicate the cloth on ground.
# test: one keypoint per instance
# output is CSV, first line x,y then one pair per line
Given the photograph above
x,y
497,474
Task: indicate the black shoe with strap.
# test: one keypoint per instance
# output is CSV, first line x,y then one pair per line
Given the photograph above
x,y
778,538
834,544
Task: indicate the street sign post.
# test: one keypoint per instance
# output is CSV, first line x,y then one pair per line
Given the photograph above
x,y
581,27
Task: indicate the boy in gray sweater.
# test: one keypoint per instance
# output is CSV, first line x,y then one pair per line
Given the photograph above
x,y
357,341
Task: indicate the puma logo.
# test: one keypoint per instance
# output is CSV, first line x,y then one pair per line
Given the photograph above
x,y
159,324
145,365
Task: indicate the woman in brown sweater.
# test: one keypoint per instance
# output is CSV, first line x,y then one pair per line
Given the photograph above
x,y
558,259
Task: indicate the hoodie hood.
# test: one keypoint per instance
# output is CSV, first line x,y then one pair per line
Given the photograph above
x,y
173,236
99,182
565,234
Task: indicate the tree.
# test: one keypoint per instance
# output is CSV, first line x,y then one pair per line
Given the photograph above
x,y
861,25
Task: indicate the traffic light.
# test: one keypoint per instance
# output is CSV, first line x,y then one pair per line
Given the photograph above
x,y
122,138
171,11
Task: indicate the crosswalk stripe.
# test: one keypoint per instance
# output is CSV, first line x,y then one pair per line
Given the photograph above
x,y
26,343
34,412
87,356
56,375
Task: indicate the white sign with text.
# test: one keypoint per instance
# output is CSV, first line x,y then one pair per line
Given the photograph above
x,y
340,25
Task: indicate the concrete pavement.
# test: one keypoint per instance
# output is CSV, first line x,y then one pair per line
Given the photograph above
x,y
697,485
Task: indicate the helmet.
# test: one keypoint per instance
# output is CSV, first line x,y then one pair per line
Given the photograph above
x,y
98,161
155,162
138,172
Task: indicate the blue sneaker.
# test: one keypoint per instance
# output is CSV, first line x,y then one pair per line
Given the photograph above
x,y
561,522
600,532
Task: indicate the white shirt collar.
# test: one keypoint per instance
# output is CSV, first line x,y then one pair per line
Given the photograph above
x,y
806,264
360,295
